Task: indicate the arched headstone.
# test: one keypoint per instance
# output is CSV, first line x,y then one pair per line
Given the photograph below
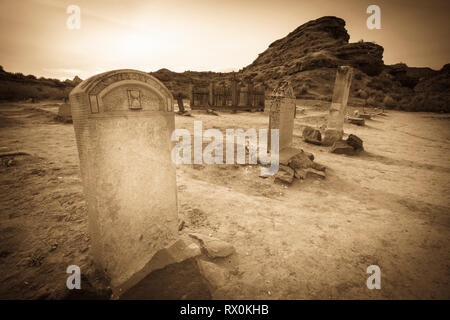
x,y
123,121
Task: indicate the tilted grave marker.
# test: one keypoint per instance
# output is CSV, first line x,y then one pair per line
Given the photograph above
x,y
123,121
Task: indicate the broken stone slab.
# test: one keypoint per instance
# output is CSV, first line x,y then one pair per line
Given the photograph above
x,y
180,250
285,174
365,116
215,275
330,136
300,161
312,135
302,174
317,166
214,248
287,154
342,147
357,121
315,173
355,142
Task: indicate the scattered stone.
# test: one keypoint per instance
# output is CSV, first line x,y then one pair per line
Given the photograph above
x,y
300,161
341,147
287,154
211,111
357,121
181,250
214,248
309,155
315,173
331,136
365,116
300,174
355,142
214,274
284,174
317,166
312,135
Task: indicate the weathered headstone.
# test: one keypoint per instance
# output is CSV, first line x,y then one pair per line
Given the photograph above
x,y
335,125
123,121
281,115
64,113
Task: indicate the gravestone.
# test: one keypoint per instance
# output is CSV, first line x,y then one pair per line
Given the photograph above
x,y
335,124
123,122
64,113
281,114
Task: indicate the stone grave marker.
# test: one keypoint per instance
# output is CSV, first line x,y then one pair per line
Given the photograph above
x,y
281,114
336,117
123,122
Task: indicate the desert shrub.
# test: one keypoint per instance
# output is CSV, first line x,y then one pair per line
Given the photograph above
x,y
380,83
360,93
389,102
372,102
303,89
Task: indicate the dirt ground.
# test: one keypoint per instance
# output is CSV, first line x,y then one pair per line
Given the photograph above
x,y
388,206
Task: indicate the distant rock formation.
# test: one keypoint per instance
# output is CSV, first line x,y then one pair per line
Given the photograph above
x,y
307,58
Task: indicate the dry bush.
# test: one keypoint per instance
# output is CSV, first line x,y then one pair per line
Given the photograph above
x,y
389,102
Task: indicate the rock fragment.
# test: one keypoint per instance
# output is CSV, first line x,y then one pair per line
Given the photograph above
x,y
214,248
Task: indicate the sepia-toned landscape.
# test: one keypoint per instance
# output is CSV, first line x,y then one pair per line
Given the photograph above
x,y
378,194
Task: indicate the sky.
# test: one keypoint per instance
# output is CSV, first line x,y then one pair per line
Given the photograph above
x,y
201,35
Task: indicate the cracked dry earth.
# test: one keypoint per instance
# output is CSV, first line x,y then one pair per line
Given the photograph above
x,y
388,206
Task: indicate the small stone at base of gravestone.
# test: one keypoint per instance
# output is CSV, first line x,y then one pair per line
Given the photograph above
x,y
341,147
214,248
315,173
285,175
300,161
300,174
309,155
317,166
181,250
330,136
215,275
355,142
312,135
287,154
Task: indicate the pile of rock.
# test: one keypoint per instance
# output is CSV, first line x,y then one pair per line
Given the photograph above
x,y
351,146
333,138
299,165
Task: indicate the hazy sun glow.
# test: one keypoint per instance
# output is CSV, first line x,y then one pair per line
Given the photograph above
x,y
200,35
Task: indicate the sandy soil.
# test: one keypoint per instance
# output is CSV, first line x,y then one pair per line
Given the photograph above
x,y
388,206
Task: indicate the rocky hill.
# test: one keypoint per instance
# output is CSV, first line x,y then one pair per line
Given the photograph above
x,y
307,57
17,86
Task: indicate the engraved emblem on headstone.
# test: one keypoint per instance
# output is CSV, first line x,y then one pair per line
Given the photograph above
x,y
134,99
